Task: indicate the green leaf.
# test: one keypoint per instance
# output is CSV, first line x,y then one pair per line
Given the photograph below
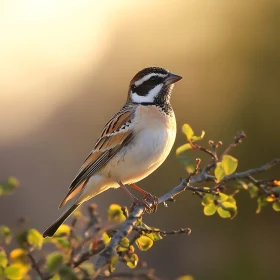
x,y
183,148
62,231
261,203
219,172
5,235
3,258
253,190
66,272
131,260
207,199
14,272
210,209
9,186
34,238
54,262
22,239
276,206
144,243
229,164
115,213
187,130
62,243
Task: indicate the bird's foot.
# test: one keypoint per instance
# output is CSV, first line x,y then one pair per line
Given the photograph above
x,y
150,203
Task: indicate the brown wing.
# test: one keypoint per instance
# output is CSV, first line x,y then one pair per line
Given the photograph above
x,y
116,134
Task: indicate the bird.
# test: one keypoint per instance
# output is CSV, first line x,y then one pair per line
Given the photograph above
x,y
133,143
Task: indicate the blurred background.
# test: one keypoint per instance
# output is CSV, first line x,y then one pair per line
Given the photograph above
x,y
64,71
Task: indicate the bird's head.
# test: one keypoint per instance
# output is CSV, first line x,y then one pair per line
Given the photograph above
x,y
152,85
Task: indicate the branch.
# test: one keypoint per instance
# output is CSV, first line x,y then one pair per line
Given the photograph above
x,y
186,184
251,172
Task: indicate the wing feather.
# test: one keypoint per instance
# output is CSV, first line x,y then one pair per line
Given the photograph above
x,y
115,135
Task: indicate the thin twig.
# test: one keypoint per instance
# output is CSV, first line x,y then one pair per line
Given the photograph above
x,y
163,232
35,265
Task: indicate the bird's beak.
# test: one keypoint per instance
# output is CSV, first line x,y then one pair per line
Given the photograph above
x,y
171,79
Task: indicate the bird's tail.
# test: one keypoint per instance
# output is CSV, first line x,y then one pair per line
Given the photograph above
x,y
50,231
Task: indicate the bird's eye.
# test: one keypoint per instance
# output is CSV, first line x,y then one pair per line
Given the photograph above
x,y
153,78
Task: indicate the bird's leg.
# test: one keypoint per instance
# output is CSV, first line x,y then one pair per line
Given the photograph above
x,y
147,196
135,200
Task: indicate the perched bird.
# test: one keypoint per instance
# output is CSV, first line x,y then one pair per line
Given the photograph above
x,y
133,144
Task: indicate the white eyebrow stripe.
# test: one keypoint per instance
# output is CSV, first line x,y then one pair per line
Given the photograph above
x,y
147,77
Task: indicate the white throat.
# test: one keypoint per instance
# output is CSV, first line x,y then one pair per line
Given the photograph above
x,y
149,98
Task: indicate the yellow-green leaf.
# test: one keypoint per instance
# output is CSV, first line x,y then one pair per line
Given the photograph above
x,y
55,277
185,277
219,172
3,258
112,264
207,199
187,130
155,236
227,209
232,200
88,267
183,148
144,243
54,262
106,238
115,213
196,138
223,197
123,245
67,272
229,164
15,272
5,235
223,213
253,190
63,230
276,206
35,238
18,255
62,243
131,260
210,209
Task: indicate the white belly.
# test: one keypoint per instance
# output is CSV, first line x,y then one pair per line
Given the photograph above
x,y
147,151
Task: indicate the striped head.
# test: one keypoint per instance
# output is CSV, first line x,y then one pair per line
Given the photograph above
x,y
152,85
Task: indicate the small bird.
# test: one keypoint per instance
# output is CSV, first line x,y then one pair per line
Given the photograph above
x,y
132,145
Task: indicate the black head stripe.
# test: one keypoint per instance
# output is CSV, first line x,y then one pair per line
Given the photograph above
x,y
146,86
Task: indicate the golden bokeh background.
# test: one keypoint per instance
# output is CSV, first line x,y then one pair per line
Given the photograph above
x,y
64,71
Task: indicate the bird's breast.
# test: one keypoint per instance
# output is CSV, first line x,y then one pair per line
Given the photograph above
x,y
155,134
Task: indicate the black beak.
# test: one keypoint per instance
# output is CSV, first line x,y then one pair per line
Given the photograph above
x,y
171,79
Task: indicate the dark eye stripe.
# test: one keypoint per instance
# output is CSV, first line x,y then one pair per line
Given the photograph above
x,y
146,86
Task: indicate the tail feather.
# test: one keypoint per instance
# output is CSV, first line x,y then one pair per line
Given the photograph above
x,y
50,231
